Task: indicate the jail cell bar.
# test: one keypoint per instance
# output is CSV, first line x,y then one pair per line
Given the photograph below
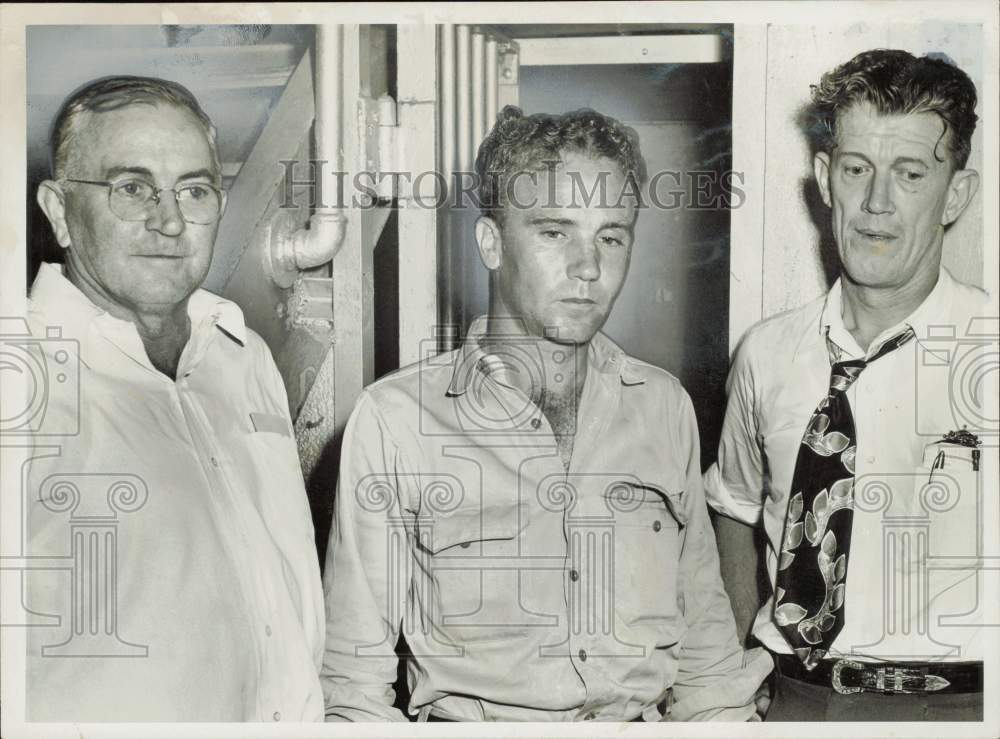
x,y
469,62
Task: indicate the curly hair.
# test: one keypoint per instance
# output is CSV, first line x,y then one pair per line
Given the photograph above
x,y
520,143
897,83
111,93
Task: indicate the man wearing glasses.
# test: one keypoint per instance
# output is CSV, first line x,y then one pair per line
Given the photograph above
x,y
198,597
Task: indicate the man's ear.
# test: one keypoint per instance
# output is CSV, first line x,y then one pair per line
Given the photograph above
x,y
821,170
51,199
490,242
962,188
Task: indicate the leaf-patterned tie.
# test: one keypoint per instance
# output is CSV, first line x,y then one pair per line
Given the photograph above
x,y
812,565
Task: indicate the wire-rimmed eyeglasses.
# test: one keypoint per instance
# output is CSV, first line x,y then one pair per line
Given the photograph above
x,y
134,199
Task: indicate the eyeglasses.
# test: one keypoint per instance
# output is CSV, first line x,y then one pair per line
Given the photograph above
x,y
135,200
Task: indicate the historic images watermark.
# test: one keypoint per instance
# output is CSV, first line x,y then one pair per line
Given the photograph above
x,y
432,189
91,505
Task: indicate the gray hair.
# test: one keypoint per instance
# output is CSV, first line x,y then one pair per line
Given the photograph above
x,y
111,93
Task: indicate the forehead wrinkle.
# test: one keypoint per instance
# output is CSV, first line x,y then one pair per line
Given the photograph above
x,y
865,131
93,139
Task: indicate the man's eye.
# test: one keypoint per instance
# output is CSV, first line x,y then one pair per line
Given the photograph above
x,y
552,234
910,175
612,241
134,189
195,192
855,170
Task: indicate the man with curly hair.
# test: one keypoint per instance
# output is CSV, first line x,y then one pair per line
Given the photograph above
x,y
527,510
837,432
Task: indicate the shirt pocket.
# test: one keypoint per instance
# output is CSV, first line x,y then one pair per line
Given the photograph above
x,y
469,564
650,520
274,475
947,494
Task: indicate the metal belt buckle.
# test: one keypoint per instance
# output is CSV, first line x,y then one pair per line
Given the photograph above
x,y
899,680
886,679
839,666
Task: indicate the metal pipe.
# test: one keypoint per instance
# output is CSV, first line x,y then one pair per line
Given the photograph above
x,y
463,61
478,92
306,248
447,100
492,84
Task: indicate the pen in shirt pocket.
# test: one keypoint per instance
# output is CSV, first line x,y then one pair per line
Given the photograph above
x,y
955,449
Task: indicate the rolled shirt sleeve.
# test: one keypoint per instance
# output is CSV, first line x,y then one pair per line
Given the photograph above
x,y
734,485
363,607
716,678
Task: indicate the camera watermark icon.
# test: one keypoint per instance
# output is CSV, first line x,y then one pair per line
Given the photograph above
x,y
959,364
514,360
43,364
94,504
932,560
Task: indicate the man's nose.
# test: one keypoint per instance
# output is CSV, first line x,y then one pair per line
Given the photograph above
x,y
878,198
585,261
166,215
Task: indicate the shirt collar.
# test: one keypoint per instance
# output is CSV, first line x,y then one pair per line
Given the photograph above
x,y
603,356
63,304
930,311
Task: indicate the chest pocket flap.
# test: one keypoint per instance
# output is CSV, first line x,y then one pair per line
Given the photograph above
x,y
468,525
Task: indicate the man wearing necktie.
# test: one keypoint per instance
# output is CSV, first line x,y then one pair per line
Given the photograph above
x,y
838,441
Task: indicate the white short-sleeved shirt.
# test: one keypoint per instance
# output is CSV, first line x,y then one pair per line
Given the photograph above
x,y
914,582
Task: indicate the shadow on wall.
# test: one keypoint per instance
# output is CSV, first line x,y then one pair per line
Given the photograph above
x,y
819,213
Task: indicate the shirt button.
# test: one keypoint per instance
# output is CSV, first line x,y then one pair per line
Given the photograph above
x,y
582,655
277,715
657,525
215,462
267,630
574,575
590,716
870,460
535,423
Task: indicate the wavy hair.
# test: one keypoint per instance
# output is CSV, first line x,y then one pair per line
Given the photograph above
x,y
897,83
520,143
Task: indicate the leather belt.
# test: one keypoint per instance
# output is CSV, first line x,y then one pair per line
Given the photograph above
x,y
848,676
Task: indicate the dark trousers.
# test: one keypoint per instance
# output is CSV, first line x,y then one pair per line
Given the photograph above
x,y
794,700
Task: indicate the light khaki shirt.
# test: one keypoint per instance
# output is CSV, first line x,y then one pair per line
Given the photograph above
x,y
180,578
526,592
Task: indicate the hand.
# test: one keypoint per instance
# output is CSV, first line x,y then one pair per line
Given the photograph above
x,y
762,700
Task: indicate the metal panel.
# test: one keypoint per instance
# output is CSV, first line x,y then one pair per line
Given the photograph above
x,y
417,91
352,267
261,174
666,49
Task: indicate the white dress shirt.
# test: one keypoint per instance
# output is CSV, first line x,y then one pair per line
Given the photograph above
x,y
914,581
174,517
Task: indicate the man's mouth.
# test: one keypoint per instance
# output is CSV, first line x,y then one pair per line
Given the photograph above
x,y
876,235
579,301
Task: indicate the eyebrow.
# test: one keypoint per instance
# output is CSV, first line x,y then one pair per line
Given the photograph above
x,y
897,161
542,221
142,171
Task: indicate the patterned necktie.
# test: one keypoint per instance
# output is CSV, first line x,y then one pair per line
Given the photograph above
x,y
812,567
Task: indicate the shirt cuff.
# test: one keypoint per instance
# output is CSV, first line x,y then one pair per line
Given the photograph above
x,y
722,501
728,699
